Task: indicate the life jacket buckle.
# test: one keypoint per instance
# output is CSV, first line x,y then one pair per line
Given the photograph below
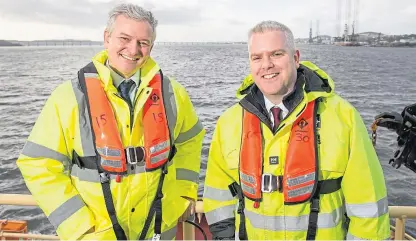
x,y
104,177
266,183
315,205
135,155
270,183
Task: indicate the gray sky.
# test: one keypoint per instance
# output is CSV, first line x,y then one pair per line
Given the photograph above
x,y
198,20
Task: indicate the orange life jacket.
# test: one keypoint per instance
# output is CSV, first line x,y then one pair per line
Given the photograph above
x,y
114,155
300,175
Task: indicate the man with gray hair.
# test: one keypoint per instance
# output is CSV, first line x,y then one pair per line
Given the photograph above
x,y
115,153
292,160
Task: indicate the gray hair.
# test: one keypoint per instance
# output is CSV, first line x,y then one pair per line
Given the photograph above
x,y
131,11
267,26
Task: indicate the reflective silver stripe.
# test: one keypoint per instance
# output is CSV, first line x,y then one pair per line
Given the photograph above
x,y
91,75
217,194
191,133
166,235
111,163
248,189
84,121
300,191
109,152
368,210
187,175
159,147
170,104
159,157
35,150
220,214
290,223
247,178
352,237
300,180
89,175
66,210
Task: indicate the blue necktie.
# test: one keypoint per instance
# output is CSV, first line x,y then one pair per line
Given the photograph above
x,y
124,90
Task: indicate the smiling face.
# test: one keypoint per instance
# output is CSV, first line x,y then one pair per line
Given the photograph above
x,y
128,44
273,65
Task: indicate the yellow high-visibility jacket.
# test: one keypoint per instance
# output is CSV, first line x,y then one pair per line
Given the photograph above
x,y
345,150
72,197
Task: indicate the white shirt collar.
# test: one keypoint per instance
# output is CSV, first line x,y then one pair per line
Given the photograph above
x,y
118,79
269,105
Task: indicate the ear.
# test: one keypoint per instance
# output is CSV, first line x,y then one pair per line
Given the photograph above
x,y
297,58
106,39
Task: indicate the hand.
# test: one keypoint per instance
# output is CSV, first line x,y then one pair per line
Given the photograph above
x,y
189,211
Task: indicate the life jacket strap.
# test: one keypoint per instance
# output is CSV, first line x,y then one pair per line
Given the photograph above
x,y
155,209
134,155
323,187
108,198
236,191
88,162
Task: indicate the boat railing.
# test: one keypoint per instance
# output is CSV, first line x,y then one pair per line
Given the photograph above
x,y
399,213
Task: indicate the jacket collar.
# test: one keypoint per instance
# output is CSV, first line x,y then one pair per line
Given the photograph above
x,y
309,86
147,71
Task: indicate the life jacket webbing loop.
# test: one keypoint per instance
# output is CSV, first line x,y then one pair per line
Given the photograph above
x,y
236,190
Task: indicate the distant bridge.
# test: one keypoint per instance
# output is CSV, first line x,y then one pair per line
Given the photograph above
x,y
99,43
197,43
60,43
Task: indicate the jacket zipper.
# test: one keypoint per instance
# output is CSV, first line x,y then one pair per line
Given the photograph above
x,y
318,127
131,111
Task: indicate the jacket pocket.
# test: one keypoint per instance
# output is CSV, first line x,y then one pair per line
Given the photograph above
x,y
333,157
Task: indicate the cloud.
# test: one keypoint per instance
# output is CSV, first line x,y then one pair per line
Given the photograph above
x,y
178,16
201,20
411,10
65,12
92,13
